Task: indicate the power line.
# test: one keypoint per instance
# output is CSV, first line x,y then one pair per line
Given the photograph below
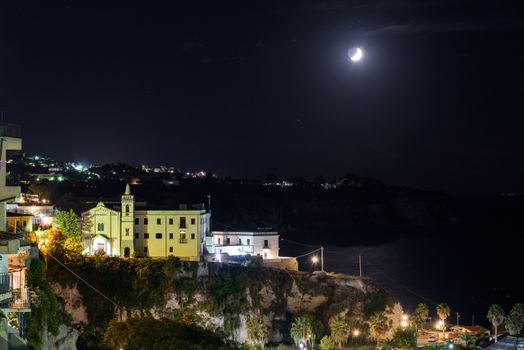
x,y
87,283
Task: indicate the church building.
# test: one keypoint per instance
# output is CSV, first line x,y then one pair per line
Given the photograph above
x,y
131,231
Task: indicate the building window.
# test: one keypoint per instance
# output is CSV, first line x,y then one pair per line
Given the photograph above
x,y
24,222
265,255
145,249
183,222
127,209
228,240
183,238
158,236
136,221
145,221
136,235
192,221
248,241
240,241
158,221
171,221
100,226
266,244
170,236
171,249
127,232
192,236
219,241
146,235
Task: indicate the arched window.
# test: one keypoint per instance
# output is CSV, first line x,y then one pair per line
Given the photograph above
x,y
127,209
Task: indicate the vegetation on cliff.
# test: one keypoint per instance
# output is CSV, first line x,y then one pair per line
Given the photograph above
x,y
44,306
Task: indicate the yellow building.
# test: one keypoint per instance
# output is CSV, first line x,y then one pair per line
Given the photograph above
x,y
141,232
19,222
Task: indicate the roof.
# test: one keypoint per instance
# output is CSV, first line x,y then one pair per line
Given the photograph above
x,y
13,214
507,343
472,329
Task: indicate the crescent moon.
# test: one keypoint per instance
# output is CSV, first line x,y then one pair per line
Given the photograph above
x,y
357,55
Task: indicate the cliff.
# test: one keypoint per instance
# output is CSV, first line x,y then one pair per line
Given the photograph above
x,y
216,296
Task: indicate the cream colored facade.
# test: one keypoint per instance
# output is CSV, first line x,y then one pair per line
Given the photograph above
x,y
10,139
131,231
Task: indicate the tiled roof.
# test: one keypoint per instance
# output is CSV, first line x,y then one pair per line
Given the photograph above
x,y
508,343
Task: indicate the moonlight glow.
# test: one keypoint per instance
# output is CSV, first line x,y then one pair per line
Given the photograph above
x,y
355,54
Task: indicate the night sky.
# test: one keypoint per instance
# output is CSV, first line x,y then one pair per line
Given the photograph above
x,y
256,87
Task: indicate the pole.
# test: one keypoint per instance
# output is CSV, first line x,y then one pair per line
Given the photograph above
x,y
322,258
360,264
458,316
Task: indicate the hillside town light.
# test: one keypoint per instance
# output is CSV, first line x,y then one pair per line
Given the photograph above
x,y
356,332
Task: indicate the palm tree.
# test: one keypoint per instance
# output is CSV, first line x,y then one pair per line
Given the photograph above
x,y
496,317
256,332
421,314
443,312
513,324
518,311
378,325
339,327
301,330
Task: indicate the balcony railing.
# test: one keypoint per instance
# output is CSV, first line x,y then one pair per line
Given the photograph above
x,y
183,240
21,299
12,180
10,130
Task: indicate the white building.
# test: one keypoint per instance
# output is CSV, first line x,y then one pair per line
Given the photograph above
x,y
264,244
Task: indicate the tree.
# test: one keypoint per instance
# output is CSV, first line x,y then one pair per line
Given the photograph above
x,y
405,339
301,330
67,222
496,317
339,328
513,324
443,312
256,332
421,314
518,311
378,325
327,343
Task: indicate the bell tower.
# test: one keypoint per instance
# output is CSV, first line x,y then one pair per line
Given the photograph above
x,y
127,233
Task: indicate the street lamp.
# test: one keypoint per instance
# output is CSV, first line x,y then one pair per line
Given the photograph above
x,y
356,333
404,323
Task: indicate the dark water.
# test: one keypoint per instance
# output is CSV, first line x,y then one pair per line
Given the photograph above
x,y
469,271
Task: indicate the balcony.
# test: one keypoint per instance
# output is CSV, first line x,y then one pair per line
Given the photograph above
x,y
10,130
183,240
21,299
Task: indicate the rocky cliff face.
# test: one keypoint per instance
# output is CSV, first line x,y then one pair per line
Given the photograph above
x,y
222,296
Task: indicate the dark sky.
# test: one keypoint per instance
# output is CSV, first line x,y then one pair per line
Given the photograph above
x,y
252,87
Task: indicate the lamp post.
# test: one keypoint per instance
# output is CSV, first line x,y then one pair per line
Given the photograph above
x,y
315,259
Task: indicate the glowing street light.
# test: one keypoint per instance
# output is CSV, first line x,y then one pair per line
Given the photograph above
x,y
404,323
314,259
356,332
